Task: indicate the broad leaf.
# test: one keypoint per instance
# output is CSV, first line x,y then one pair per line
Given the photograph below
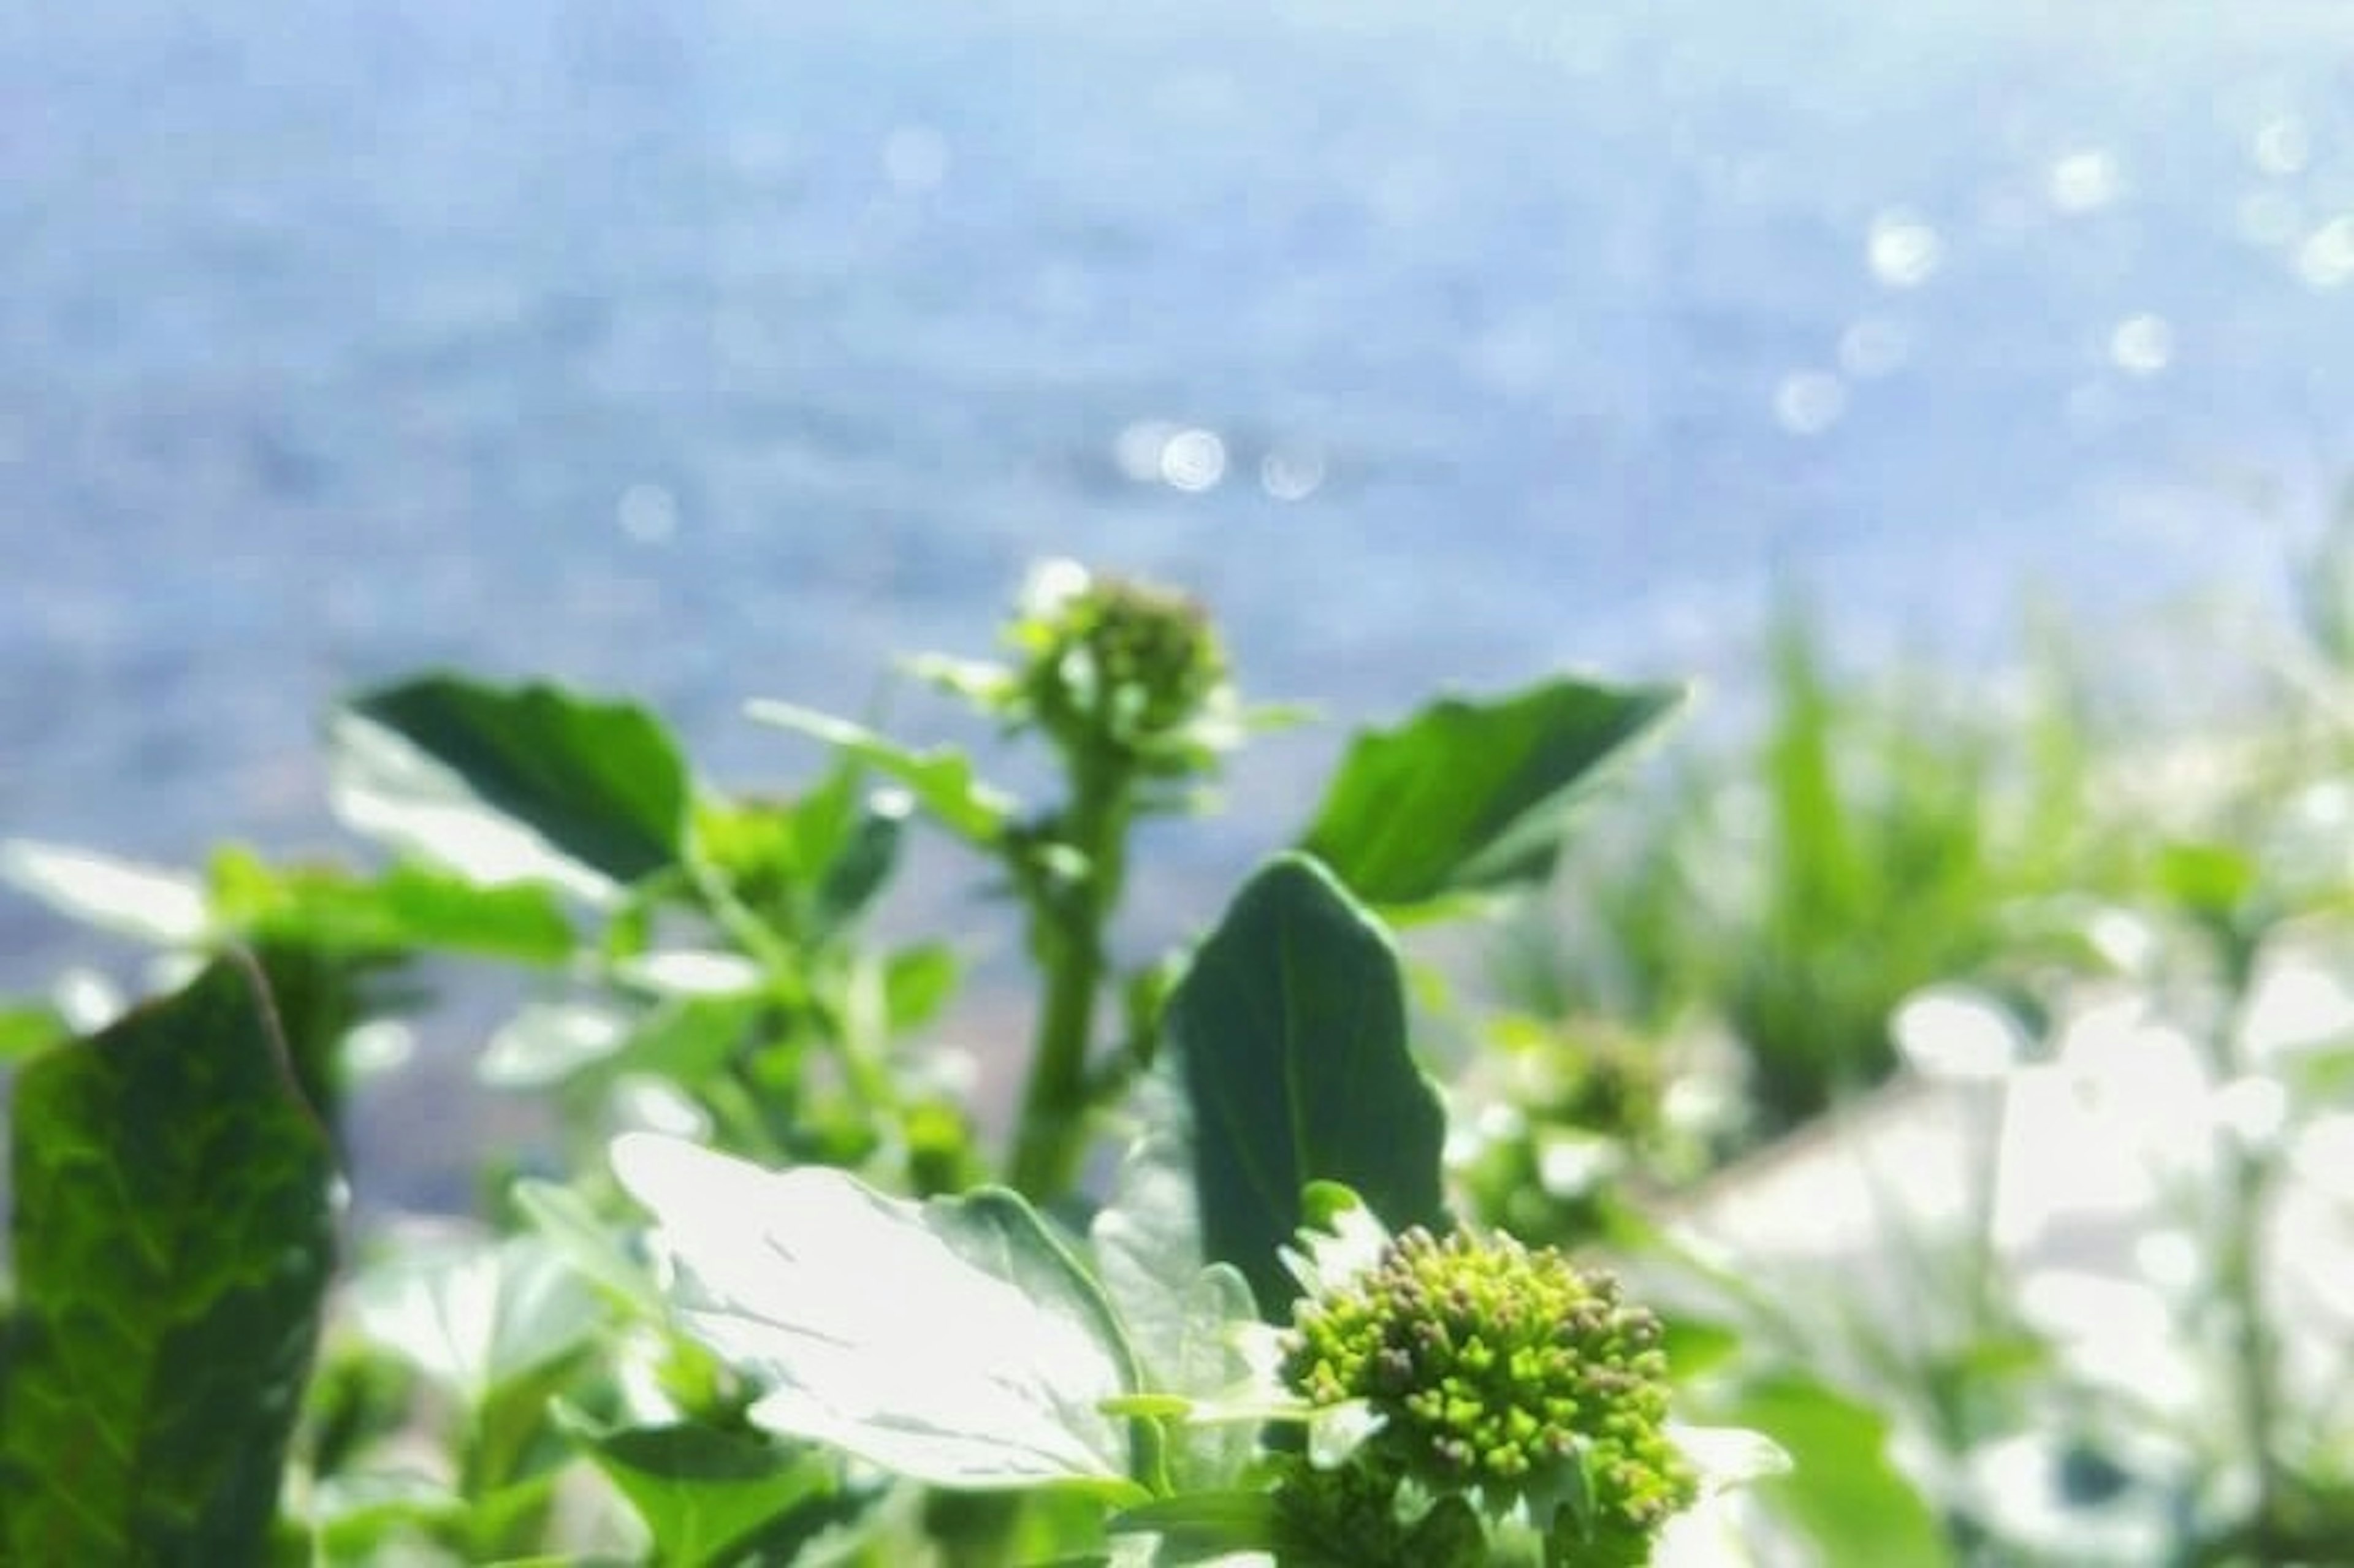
x,y
955,1342
941,780
1841,1490
1473,797
1288,1039
172,1238
1179,1314
709,1495
478,1316
509,783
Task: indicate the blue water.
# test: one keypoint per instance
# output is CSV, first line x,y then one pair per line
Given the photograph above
x,y
722,347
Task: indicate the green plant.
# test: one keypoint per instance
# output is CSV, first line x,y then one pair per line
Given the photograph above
x,y
530,1386
1876,838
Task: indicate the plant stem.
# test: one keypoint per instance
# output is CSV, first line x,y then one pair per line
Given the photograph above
x,y
1067,915
2240,1255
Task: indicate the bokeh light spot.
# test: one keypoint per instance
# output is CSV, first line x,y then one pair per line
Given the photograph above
x,y
1809,402
2142,345
1291,472
1903,249
2083,182
1194,460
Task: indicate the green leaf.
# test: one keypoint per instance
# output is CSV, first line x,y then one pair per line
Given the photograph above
x,y
591,1247
956,1343
707,1495
1199,1526
1473,797
1289,1033
2212,880
547,1041
172,1236
365,1520
1179,1315
145,903
684,1039
26,1030
941,780
407,906
918,982
1841,1492
513,783
478,1316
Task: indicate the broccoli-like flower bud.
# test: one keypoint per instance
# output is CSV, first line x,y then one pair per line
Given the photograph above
x,y
1116,664
1505,1375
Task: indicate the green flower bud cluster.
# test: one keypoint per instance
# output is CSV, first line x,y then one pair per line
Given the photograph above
x,y
1505,1375
1120,664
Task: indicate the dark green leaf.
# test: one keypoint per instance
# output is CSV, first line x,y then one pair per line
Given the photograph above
x,y
506,782
1473,797
707,1495
172,1242
1288,1035
863,866
941,780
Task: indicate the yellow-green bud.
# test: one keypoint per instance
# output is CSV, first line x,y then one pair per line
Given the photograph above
x,y
1508,1375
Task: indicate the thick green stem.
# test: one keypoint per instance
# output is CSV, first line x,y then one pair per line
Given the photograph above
x,y
1067,922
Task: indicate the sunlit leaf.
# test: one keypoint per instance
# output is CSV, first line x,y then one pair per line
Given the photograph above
x,y
941,780
1471,797
1180,1313
475,1316
587,1243
146,903
1288,1039
691,972
406,906
173,1237
954,1342
513,783
547,1042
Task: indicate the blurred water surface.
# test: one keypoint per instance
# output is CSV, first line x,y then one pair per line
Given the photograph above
x,y
725,348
